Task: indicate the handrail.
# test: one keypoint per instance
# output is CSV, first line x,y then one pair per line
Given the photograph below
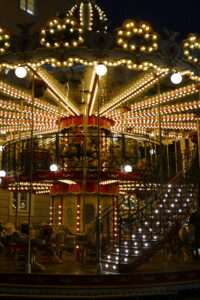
x,y
104,214
152,200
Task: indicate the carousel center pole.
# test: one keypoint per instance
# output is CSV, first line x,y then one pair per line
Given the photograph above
x,y
30,178
98,229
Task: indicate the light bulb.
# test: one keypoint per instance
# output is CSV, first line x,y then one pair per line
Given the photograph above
x,y
101,70
53,168
2,173
176,78
152,151
128,168
21,72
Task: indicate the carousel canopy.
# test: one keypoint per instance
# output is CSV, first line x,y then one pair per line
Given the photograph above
x,y
66,59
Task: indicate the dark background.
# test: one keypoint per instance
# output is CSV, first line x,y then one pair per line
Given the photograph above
x,y
179,16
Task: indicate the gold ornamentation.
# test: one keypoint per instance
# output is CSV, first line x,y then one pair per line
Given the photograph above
x,y
191,48
4,41
62,33
137,37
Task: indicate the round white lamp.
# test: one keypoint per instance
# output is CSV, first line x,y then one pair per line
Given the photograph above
x,y
2,173
152,151
176,78
128,168
21,72
101,70
53,168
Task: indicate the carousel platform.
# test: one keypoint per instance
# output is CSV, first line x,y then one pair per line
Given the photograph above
x,y
75,280
57,286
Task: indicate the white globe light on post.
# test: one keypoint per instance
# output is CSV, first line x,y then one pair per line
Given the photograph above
x,y
176,78
2,173
128,168
152,151
21,72
101,70
53,168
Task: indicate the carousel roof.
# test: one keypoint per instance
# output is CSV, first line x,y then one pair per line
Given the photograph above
x,y
136,91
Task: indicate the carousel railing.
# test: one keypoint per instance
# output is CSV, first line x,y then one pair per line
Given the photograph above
x,y
70,155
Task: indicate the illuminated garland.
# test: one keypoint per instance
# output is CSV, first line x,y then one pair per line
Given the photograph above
x,y
137,37
130,64
4,41
17,93
192,48
166,97
133,91
78,215
61,33
14,111
175,126
134,131
37,187
151,119
168,109
23,122
23,127
89,16
72,61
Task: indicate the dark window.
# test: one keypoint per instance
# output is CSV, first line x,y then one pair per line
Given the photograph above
x,y
28,6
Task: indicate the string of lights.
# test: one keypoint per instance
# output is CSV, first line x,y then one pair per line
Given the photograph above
x,y
134,90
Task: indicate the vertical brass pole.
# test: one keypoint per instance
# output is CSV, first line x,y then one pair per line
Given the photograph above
x,y
168,166
198,139
85,164
98,233
160,135
175,153
198,153
18,168
30,178
17,206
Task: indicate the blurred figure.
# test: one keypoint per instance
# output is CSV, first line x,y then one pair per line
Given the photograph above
x,y
47,238
194,220
1,235
60,242
11,239
186,241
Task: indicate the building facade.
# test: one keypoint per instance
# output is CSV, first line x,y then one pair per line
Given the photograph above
x,y
33,13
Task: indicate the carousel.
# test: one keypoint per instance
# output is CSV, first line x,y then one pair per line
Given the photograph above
x,y
104,125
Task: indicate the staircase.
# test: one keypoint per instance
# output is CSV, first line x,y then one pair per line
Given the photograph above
x,y
144,230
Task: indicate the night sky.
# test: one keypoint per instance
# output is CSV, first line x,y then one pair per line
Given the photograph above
x,y
179,16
